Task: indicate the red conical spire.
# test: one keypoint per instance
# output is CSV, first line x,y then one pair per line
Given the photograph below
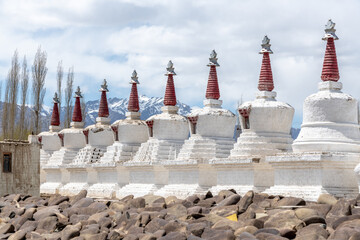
x,y
77,115
330,70
170,96
134,99
266,82
212,90
103,107
55,119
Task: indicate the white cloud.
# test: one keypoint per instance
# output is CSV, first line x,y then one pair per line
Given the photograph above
x,y
108,39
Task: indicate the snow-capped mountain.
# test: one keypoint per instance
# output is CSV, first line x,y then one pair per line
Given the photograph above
x,y
118,107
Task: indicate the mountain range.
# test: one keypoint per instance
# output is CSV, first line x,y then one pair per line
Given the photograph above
x,y
117,108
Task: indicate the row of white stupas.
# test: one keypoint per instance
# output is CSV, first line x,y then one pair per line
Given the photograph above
x,y
157,156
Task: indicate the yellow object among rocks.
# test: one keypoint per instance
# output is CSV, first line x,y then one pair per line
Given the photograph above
x,y
233,217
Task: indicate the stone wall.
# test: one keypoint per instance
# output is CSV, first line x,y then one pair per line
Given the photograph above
x,y
24,177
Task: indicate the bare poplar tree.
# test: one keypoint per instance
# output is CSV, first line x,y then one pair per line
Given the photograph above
x,y
5,117
39,71
68,97
14,78
24,93
59,77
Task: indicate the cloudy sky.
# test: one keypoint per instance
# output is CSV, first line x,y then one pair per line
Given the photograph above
x,y
108,39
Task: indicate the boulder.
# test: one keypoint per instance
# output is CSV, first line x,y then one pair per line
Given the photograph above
x,y
290,201
177,210
284,219
215,234
45,212
314,219
84,202
155,224
303,213
57,200
311,231
82,194
196,228
174,236
245,201
327,199
137,202
70,231
247,229
7,228
48,224
226,193
230,200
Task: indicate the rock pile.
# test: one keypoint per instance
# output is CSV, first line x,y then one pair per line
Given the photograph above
x,y
226,215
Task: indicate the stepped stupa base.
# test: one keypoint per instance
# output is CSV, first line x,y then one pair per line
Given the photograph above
x,y
156,151
181,191
204,148
257,145
120,152
62,157
89,154
308,175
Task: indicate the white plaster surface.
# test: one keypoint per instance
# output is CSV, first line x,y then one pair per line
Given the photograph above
x,y
270,125
330,121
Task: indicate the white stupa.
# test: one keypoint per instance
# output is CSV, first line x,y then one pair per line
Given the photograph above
x,y
167,132
98,136
265,122
130,132
50,141
328,146
211,127
72,140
